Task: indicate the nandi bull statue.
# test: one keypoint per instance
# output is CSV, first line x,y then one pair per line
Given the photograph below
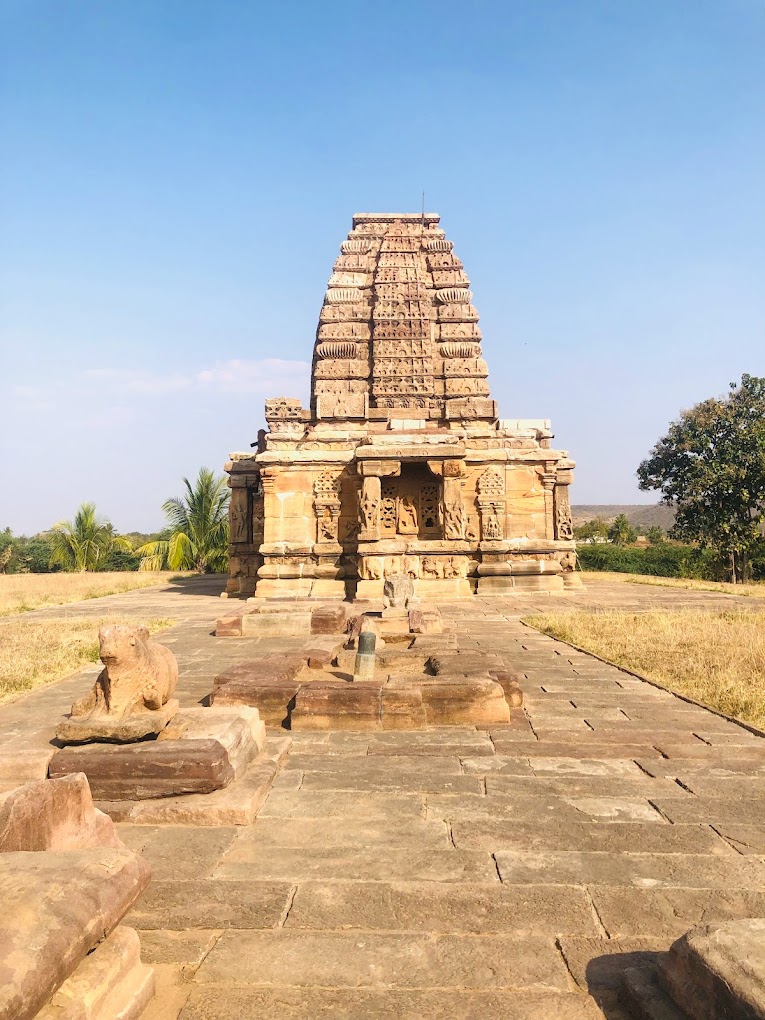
x,y
131,697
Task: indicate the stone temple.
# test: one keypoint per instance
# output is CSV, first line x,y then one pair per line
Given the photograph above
x,y
401,464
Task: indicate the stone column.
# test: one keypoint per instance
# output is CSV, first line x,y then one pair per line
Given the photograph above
x,y
548,481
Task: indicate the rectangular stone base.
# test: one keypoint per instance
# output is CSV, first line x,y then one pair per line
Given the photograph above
x,y
88,729
201,750
508,584
293,624
110,982
238,804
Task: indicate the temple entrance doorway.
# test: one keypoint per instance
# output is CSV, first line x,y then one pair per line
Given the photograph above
x,y
410,504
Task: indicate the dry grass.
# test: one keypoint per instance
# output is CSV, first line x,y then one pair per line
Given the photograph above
x,y
37,652
717,658
20,593
756,588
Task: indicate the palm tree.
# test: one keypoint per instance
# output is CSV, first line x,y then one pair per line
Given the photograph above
x,y
199,529
85,542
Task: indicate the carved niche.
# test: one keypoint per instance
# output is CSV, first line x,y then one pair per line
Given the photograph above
x,y
491,504
409,506
326,505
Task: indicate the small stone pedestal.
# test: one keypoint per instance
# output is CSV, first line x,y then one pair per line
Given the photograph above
x,y
201,753
135,727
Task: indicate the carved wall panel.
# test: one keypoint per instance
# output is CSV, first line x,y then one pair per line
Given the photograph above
x,y
459,313
345,279
344,331
353,262
459,331
467,387
443,260
450,278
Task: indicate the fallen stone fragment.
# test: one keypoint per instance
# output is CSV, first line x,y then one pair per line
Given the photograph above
x,y
65,902
54,814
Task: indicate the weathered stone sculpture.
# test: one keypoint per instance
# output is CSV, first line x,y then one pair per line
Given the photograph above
x,y
131,697
401,464
398,591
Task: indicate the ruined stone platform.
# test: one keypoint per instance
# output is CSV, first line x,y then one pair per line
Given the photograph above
x,y
514,870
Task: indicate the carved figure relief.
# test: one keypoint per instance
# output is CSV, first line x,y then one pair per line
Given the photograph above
x,y
454,520
431,568
368,506
371,568
398,591
407,517
326,504
564,526
239,517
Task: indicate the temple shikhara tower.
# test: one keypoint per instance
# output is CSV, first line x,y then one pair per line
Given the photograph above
x,y
401,464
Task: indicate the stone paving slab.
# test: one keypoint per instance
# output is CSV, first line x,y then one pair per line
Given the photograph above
x,y
671,911
453,873
611,837
684,871
220,904
429,906
375,960
236,1003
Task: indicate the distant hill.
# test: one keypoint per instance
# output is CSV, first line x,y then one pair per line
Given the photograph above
x,y
639,515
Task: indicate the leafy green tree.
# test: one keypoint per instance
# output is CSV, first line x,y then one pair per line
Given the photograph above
x,y
36,554
711,467
597,528
621,531
85,542
7,550
655,535
198,524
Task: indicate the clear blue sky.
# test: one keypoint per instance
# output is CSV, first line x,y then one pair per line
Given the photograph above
x,y
177,176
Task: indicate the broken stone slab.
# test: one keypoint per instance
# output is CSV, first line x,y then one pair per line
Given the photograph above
x,y
138,726
286,623
110,982
269,684
332,619
24,764
338,704
240,730
56,908
237,804
55,814
718,970
320,652
229,626
159,768
455,700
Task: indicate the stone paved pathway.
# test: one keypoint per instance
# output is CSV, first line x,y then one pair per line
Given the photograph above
x,y
454,873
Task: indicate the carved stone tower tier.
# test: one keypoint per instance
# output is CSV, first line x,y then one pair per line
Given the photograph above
x,y
400,465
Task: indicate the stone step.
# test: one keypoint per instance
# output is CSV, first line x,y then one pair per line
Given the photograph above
x,y
287,1003
645,998
64,903
718,970
109,983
